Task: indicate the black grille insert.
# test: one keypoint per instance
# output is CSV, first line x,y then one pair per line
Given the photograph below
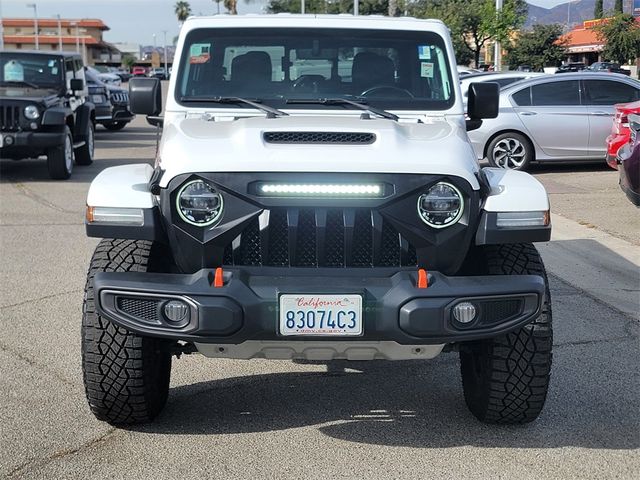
x,y
331,237
9,117
352,138
497,311
145,309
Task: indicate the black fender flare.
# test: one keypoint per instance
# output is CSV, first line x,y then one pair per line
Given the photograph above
x,y
56,116
85,113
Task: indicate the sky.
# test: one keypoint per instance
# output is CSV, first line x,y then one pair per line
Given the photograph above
x,y
135,21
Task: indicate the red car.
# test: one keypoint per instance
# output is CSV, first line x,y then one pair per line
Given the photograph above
x,y
629,162
139,71
620,131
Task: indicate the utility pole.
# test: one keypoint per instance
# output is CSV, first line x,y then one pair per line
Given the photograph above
x,y
302,6
59,33
497,57
356,8
166,69
35,22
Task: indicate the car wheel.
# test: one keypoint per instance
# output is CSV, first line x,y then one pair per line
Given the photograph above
x,y
115,126
60,158
505,379
511,151
126,376
84,155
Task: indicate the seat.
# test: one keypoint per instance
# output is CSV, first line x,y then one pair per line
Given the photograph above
x,y
252,69
371,70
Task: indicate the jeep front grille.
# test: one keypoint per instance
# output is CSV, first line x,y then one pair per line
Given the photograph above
x,y
120,97
9,117
352,138
145,309
320,238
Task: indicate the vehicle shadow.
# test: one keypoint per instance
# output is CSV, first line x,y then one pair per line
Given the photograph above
x,y
412,404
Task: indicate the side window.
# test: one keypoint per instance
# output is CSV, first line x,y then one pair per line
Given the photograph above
x,y
503,82
556,93
69,67
608,92
523,97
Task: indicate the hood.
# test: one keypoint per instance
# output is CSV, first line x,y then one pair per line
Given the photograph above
x,y
439,146
27,94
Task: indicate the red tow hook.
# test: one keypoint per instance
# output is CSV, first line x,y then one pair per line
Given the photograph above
x,y
218,278
423,278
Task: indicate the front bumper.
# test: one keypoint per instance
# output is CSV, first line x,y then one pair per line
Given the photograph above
x,y
29,144
245,308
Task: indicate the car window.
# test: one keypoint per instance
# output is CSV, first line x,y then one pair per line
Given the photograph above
x,y
503,82
522,98
556,93
608,92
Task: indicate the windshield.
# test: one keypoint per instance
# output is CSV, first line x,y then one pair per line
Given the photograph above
x,y
388,69
37,71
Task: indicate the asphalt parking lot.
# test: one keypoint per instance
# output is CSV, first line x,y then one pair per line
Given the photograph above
x,y
278,419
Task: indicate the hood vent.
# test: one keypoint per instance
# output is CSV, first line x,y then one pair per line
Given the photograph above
x,y
342,138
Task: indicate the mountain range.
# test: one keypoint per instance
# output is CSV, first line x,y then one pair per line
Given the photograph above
x,y
577,12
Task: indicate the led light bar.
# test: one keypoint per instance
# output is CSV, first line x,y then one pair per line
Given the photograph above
x,y
320,190
113,215
522,219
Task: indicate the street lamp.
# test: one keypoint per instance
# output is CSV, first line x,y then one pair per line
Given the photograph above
x,y
59,32
497,57
356,7
164,49
35,21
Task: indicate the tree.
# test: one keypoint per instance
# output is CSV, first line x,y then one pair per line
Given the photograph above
x,y
367,7
475,23
231,6
618,8
128,60
598,9
182,11
621,36
539,48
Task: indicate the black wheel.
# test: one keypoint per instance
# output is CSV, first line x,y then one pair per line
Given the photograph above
x,y
126,376
511,151
114,127
84,154
60,158
505,379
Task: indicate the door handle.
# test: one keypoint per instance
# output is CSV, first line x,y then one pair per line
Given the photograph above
x,y
528,114
602,114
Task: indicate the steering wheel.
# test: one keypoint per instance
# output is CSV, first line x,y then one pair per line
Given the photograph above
x,y
309,83
386,90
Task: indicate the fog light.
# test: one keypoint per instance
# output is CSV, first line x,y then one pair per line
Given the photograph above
x,y
8,140
33,125
176,311
464,312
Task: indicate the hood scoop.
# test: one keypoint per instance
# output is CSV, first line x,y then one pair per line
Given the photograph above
x,y
336,138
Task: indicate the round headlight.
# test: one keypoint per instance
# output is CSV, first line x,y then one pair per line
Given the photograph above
x,y
441,206
31,112
198,203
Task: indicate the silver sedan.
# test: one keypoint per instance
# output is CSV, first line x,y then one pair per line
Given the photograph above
x,y
553,117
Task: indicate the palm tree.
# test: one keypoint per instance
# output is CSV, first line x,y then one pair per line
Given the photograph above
x,y
182,11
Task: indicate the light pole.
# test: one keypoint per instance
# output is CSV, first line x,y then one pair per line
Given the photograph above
x,y
497,57
164,49
59,33
356,8
35,22
75,24
302,6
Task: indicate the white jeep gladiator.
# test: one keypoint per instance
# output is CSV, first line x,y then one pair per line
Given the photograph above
x,y
315,196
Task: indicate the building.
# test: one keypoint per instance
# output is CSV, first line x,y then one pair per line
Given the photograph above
x,y
82,35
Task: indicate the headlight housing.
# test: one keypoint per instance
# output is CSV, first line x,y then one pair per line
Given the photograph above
x,y
198,203
442,205
31,112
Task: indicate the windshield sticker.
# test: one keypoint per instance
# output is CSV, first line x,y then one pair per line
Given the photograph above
x,y
426,69
199,53
424,52
13,72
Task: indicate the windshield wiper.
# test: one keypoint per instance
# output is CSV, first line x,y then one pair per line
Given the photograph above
x,y
255,103
344,101
20,82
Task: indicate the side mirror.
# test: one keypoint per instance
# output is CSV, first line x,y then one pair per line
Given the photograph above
x,y
634,122
145,96
483,102
76,84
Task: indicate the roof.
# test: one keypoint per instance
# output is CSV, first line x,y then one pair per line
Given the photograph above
x,y
53,22
50,39
585,36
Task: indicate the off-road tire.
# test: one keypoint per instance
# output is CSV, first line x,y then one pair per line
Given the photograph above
x,y
126,376
505,379
114,127
59,164
84,154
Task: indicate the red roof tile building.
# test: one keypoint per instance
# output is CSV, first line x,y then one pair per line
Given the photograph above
x,y
82,35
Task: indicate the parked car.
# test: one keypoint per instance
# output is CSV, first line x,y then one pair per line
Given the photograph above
x,y
571,67
553,117
503,79
139,71
106,75
45,110
158,72
123,73
620,131
608,67
112,103
629,162
464,71
369,237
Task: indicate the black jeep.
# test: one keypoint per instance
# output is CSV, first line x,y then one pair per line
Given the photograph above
x,y
44,110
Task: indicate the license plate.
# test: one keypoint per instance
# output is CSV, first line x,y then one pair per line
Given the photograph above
x,y
97,98
303,314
